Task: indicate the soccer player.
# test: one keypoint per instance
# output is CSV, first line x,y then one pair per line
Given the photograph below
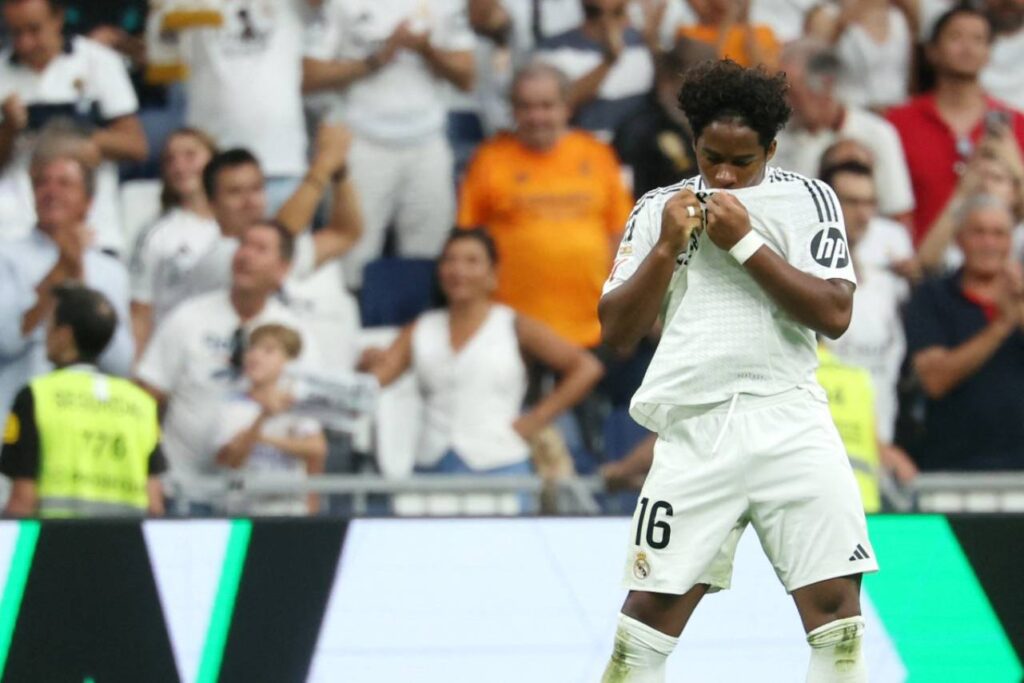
x,y
746,263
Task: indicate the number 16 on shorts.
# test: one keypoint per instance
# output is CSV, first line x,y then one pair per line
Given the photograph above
x,y
649,529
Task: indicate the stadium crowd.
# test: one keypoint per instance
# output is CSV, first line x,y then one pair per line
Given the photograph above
x,y
255,187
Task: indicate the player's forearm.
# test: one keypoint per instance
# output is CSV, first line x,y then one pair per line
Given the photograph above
x,y
942,370
320,75
155,494
628,312
298,211
825,306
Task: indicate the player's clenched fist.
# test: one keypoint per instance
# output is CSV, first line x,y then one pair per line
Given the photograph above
x,y
728,220
680,217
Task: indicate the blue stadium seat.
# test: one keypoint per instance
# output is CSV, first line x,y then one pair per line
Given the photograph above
x,y
396,290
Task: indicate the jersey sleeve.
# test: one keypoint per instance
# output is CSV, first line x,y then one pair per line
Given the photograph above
x,y
816,241
157,462
20,455
639,237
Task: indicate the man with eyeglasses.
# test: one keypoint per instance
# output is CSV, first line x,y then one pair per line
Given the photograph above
x,y
195,356
609,64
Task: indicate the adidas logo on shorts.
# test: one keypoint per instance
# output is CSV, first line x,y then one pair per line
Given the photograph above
x,y
859,553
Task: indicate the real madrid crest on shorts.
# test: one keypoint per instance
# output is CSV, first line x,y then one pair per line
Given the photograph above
x,y
641,567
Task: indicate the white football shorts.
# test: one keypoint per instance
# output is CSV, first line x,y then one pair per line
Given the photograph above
x,y
776,462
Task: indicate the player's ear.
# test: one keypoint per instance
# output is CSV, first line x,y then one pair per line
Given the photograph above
x,y
771,150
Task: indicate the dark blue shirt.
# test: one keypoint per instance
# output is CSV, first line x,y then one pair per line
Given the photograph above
x,y
979,425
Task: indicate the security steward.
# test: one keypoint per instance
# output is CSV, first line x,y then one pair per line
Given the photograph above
x,y
79,443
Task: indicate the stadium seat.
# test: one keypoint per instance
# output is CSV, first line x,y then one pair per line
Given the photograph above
x,y
396,290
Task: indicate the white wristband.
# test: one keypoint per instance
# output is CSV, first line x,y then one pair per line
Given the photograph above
x,y
745,248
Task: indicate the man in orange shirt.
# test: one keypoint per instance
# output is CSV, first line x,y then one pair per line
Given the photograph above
x,y
555,203
725,24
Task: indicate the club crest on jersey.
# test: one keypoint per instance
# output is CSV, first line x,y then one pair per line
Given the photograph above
x,y
829,249
641,567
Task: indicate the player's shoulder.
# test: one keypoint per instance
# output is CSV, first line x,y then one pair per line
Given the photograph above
x,y
805,197
660,195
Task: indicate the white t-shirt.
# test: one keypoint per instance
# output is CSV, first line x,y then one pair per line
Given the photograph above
x,y
403,102
875,339
328,311
188,359
1003,76
237,414
245,83
875,74
723,335
801,150
164,257
91,81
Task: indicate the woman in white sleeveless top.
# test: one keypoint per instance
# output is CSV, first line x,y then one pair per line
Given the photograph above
x,y
468,360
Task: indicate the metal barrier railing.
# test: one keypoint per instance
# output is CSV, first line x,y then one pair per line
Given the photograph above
x,y
929,492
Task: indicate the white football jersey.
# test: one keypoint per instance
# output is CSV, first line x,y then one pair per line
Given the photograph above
x,y
723,335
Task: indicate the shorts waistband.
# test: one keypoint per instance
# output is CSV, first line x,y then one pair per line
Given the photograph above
x,y
744,403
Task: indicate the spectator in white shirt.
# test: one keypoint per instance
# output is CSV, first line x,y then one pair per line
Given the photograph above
x,y
390,64
243,83
166,252
234,185
874,341
44,77
258,436
820,118
1003,76
58,250
609,64
195,357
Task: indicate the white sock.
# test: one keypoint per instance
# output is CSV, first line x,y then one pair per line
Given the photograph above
x,y
837,655
639,655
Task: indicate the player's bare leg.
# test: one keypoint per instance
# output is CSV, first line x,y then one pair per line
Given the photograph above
x,y
648,628
830,611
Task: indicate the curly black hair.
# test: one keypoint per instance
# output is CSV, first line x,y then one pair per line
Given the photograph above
x,y
722,89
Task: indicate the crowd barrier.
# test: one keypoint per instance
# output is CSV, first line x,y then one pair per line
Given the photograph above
x,y
466,600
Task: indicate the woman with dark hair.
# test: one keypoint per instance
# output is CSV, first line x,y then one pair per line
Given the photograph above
x,y
469,360
169,248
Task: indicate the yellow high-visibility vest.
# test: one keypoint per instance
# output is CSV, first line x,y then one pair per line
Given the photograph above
x,y
851,400
96,436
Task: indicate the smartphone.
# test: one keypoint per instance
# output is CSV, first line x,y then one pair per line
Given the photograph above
x,y
996,121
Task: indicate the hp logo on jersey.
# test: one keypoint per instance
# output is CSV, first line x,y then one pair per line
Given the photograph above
x,y
828,248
